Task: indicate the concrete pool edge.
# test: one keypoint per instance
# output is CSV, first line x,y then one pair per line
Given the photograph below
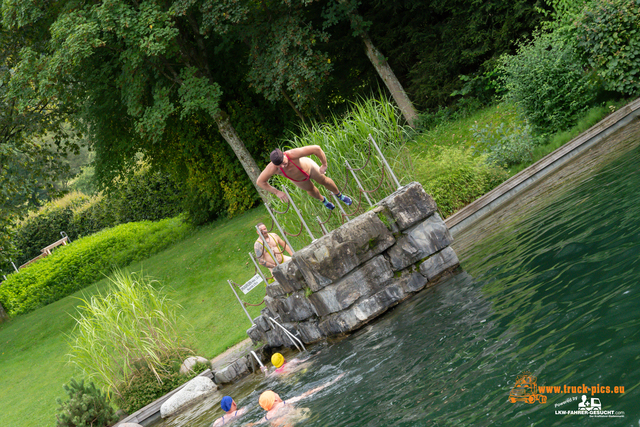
x,y
515,185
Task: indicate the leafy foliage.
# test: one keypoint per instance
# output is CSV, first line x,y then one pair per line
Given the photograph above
x,y
143,387
430,43
75,266
132,327
87,407
504,144
608,39
454,177
142,195
546,81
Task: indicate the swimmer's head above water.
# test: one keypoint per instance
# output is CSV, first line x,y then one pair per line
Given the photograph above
x,y
227,404
268,399
277,360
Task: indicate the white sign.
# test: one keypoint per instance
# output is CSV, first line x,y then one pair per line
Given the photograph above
x,y
251,283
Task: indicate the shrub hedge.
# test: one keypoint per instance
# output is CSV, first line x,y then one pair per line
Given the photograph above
x,y
454,177
143,196
75,266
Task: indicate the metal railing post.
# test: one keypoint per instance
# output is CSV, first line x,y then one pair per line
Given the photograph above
x,y
355,177
266,245
258,268
324,230
240,301
385,161
284,235
298,212
14,266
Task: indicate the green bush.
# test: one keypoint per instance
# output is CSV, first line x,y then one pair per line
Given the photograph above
x,y
145,196
143,388
546,80
79,264
504,144
608,38
87,407
454,177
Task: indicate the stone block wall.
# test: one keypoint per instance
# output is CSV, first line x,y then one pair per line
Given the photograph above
x,y
355,273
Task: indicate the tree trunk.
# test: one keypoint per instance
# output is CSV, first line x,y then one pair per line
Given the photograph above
x,y
3,314
390,80
229,134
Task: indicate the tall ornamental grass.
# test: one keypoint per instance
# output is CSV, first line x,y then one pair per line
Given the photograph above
x,y
131,327
346,139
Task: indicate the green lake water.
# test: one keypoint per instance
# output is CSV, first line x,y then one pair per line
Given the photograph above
x,y
553,290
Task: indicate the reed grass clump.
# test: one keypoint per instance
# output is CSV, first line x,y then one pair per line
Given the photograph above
x,y
130,328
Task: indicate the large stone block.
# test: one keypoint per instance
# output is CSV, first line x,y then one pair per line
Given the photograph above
x,y
195,390
262,323
292,309
362,312
289,277
275,290
409,204
309,331
276,338
438,263
331,257
361,282
256,334
419,241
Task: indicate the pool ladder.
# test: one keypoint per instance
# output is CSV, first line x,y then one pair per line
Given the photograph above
x,y
292,337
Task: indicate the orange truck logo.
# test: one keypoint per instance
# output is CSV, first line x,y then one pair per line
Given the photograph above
x,y
526,390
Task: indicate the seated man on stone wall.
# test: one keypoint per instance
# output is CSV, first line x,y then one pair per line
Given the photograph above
x,y
277,246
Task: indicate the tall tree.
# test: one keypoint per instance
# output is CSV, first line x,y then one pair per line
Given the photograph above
x,y
27,168
157,59
335,10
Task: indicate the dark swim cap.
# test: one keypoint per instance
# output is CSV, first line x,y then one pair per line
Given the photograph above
x,y
276,156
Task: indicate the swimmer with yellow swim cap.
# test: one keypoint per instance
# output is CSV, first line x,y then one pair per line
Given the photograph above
x,y
285,367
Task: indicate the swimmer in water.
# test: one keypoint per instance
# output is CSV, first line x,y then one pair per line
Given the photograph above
x,y
231,410
284,413
283,367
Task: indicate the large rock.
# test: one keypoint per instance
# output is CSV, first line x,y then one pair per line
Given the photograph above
x,y
419,241
190,362
275,290
361,282
433,266
195,390
409,205
292,309
331,257
262,323
309,331
289,277
232,372
362,312
256,334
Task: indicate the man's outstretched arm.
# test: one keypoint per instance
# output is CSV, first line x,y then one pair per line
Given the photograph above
x,y
263,182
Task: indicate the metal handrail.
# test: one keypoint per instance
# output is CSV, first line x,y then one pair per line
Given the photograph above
x,y
292,337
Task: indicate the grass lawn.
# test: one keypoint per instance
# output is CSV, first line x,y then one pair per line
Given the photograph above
x,y
33,365
194,271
